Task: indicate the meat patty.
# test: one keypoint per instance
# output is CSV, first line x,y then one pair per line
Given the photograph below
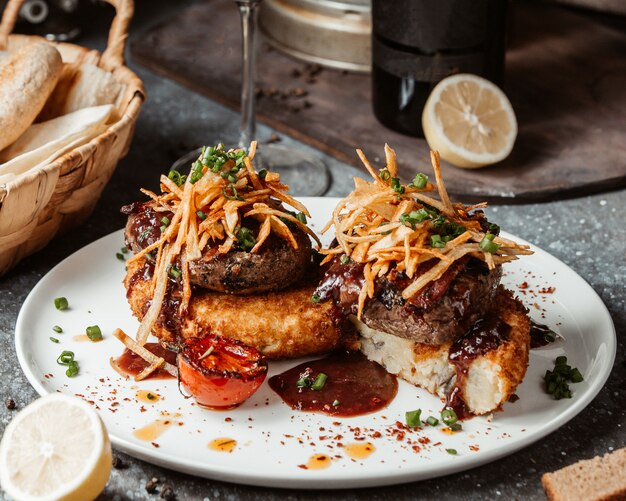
x,y
441,312
476,381
281,324
277,265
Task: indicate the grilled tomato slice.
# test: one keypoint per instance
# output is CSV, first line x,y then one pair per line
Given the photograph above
x,y
219,372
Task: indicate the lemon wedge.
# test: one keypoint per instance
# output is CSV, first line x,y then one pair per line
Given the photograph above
x,y
55,448
470,121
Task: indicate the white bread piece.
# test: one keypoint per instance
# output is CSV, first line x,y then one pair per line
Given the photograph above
x,y
598,479
492,378
27,78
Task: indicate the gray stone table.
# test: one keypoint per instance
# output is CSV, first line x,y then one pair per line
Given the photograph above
x,y
588,234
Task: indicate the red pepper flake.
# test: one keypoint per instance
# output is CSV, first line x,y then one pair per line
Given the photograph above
x,y
474,448
547,290
154,444
523,285
228,419
303,466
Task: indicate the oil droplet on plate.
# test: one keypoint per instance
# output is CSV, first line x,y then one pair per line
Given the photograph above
x,y
223,444
148,396
316,462
360,450
154,430
80,338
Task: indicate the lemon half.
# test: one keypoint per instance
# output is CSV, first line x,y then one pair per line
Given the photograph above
x,y
55,448
470,121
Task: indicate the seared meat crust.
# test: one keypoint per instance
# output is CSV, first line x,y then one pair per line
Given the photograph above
x,y
275,266
285,324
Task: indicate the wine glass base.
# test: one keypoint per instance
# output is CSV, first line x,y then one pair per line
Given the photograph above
x,y
305,174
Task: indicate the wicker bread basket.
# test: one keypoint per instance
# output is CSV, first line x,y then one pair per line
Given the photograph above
x,y
39,205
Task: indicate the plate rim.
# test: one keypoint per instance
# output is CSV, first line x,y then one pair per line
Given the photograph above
x,y
282,480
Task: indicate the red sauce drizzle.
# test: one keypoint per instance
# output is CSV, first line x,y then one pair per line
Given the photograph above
x,y
132,364
355,384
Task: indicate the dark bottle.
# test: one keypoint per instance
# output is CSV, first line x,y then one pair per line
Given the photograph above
x,y
417,43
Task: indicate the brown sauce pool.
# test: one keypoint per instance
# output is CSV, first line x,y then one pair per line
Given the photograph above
x,y
355,386
541,335
132,364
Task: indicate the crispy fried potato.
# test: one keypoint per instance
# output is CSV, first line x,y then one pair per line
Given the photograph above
x,y
283,324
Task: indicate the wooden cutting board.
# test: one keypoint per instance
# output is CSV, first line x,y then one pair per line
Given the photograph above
x,y
565,76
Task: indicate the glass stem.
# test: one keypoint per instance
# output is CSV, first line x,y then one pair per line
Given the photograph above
x,y
249,12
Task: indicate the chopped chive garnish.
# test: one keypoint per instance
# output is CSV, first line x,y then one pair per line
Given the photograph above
x,y
53,339
301,216
124,250
452,452
345,259
494,229
120,256
65,357
413,419
230,192
201,215
245,239
263,173
336,403
57,329
60,303
488,245
557,379
304,382
165,220
397,186
436,241
432,421
94,333
150,396
455,427
320,381
448,416
420,181
175,272
385,175
315,298
72,369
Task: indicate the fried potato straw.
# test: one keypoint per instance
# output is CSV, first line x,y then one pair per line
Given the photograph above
x,y
386,225
208,207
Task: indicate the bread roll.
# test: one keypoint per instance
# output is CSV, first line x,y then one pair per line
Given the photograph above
x,y
27,79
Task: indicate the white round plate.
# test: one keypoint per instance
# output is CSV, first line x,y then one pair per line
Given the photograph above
x,y
273,441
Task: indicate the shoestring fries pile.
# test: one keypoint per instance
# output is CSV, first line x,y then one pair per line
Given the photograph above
x,y
386,225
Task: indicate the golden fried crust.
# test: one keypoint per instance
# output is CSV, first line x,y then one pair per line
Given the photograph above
x,y
282,324
512,355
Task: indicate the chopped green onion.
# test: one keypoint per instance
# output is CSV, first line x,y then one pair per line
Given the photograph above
x,y
557,379
397,186
413,418
435,241
576,376
456,427
177,177
175,272
420,181
119,256
201,215
452,452
561,360
319,382
448,416
94,333
315,298
301,216
245,239
488,245
345,259
72,369
263,173
230,192
336,403
60,303
165,220
432,421
304,382
65,357
53,339
57,329
150,396
385,175
494,229
124,250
